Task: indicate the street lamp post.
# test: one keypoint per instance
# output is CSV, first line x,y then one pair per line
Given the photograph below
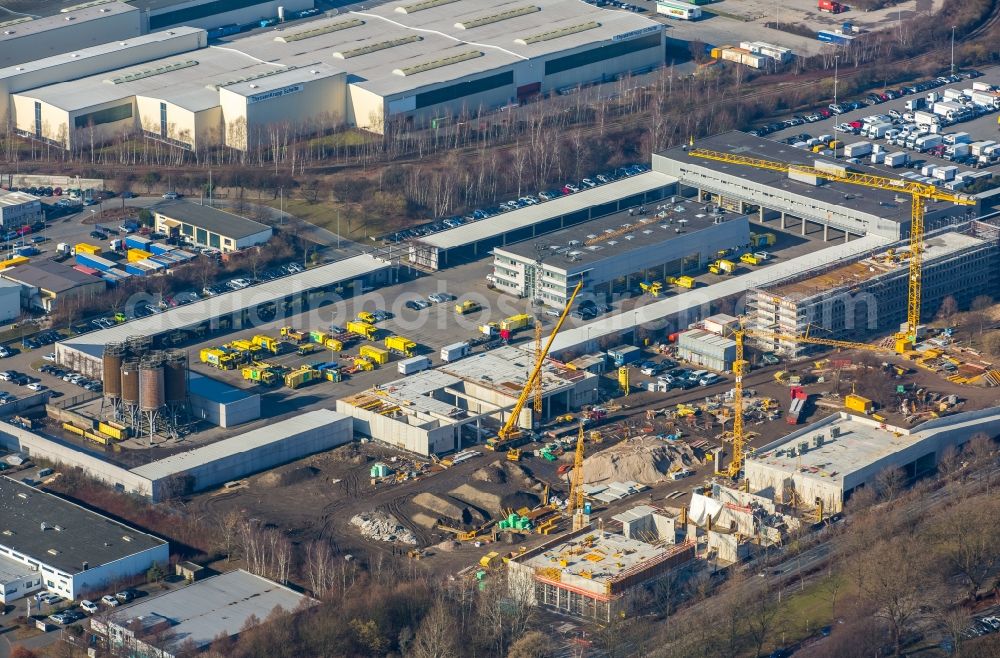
x,y
836,71
953,50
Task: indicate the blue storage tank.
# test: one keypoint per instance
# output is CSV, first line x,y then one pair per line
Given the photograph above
x,y
159,248
98,263
137,242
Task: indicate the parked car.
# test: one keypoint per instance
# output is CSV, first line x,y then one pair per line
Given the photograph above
x,y
125,596
109,601
171,195
89,607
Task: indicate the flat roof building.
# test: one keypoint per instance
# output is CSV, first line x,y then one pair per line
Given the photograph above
x,y
848,210
417,63
835,457
219,403
168,624
615,254
593,574
427,412
856,298
45,284
72,28
71,550
209,227
18,209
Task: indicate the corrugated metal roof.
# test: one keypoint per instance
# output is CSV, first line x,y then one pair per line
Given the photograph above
x,y
243,443
578,336
190,315
523,217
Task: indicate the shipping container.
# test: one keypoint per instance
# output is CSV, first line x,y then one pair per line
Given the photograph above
x,y
137,254
897,159
830,6
834,37
84,248
625,354
87,270
152,264
183,255
455,351
138,269
160,248
96,262
137,242
412,365
677,9
858,149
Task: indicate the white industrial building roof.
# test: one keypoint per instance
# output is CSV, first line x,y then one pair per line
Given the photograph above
x,y
781,269
186,80
564,205
189,315
251,440
861,442
75,17
206,609
97,51
506,371
524,28
15,198
285,78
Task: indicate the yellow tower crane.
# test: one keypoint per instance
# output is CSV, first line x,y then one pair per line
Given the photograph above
x,y
576,509
741,367
919,193
510,435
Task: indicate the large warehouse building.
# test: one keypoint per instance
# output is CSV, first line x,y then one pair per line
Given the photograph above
x,y
414,62
855,299
831,459
427,412
614,255
838,209
210,227
85,25
49,543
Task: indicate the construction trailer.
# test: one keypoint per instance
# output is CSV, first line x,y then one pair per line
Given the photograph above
x,y
593,574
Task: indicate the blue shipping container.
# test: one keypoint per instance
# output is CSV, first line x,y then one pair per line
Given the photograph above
x,y
98,263
181,254
160,260
159,248
834,38
152,264
137,269
137,242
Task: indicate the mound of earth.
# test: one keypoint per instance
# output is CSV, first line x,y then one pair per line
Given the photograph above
x,y
519,499
644,459
383,527
492,473
424,520
285,478
449,511
481,499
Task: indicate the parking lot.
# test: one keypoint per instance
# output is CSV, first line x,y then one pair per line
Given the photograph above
x,y
981,127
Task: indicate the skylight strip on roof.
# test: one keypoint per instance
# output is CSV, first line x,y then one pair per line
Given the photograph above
x,y
420,6
555,34
258,76
318,31
148,73
85,5
375,47
438,63
16,21
496,18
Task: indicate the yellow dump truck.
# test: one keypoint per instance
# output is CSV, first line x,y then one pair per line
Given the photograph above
x,y
293,334
219,358
272,345
401,345
685,282
515,322
302,376
260,375
245,346
722,266
468,306
374,354
362,329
